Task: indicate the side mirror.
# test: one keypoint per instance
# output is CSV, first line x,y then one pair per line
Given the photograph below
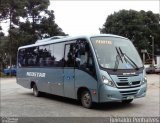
x,y
78,60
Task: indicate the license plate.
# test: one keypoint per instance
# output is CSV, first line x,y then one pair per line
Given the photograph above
x,y
130,97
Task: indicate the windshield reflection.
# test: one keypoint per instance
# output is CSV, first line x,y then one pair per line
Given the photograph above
x,y
116,53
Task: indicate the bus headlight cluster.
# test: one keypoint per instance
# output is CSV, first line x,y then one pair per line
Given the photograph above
x,y
107,82
144,80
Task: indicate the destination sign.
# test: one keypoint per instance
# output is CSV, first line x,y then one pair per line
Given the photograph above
x,y
103,42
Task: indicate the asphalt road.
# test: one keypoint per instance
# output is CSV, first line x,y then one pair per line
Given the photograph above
x,y
17,101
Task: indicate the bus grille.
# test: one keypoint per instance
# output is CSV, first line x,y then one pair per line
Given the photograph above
x,y
123,82
125,94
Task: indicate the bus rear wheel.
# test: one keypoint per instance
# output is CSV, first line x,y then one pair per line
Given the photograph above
x,y
86,99
35,91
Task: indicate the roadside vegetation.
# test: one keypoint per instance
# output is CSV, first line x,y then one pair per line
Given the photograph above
x,y
30,20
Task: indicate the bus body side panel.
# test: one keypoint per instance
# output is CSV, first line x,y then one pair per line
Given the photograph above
x,y
37,75
55,81
49,80
83,79
22,79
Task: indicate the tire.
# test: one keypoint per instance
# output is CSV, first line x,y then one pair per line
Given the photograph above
x,y
127,101
35,91
86,99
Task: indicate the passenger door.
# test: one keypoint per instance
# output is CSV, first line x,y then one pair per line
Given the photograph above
x,y
69,72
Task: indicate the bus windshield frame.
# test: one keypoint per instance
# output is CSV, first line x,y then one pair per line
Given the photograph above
x,y
108,58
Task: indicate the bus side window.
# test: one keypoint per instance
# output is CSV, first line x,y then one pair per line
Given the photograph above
x,y
57,55
27,57
70,54
84,59
43,55
21,59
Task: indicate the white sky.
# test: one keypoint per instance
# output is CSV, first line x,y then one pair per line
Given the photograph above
x,y
86,17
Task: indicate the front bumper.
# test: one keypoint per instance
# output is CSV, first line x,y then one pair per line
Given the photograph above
x,y
113,94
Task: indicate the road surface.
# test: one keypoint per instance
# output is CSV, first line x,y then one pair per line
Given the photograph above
x,y
17,101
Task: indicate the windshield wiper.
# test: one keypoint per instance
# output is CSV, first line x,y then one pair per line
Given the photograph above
x,y
119,55
117,60
127,58
116,63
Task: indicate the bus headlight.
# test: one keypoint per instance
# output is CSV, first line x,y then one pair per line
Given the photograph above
x,y
144,80
107,82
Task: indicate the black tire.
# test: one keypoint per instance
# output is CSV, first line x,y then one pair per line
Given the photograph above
x,y
127,101
86,99
35,91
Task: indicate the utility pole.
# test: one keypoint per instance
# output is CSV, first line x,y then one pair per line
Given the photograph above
x,y
144,51
10,44
153,62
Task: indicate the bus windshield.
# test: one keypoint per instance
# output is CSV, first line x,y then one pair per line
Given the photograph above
x,y
116,53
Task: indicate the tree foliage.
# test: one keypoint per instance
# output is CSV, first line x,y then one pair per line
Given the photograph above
x,y
34,8
12,10
3,51
48,27
29,20
140,27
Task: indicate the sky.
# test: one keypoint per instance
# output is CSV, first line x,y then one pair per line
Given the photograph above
x,y
86,17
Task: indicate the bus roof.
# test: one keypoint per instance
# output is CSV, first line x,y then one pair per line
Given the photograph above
x,y
58,39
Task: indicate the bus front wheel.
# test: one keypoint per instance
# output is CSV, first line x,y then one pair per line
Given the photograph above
x,y
35,91
86,99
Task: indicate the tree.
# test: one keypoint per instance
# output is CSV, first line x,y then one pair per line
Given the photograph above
x,y
4,54
29,20
48,27
137,26
34,9
40,21
12,10
1,33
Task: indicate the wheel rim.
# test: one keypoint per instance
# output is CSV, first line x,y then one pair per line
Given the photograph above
x,y
86,99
